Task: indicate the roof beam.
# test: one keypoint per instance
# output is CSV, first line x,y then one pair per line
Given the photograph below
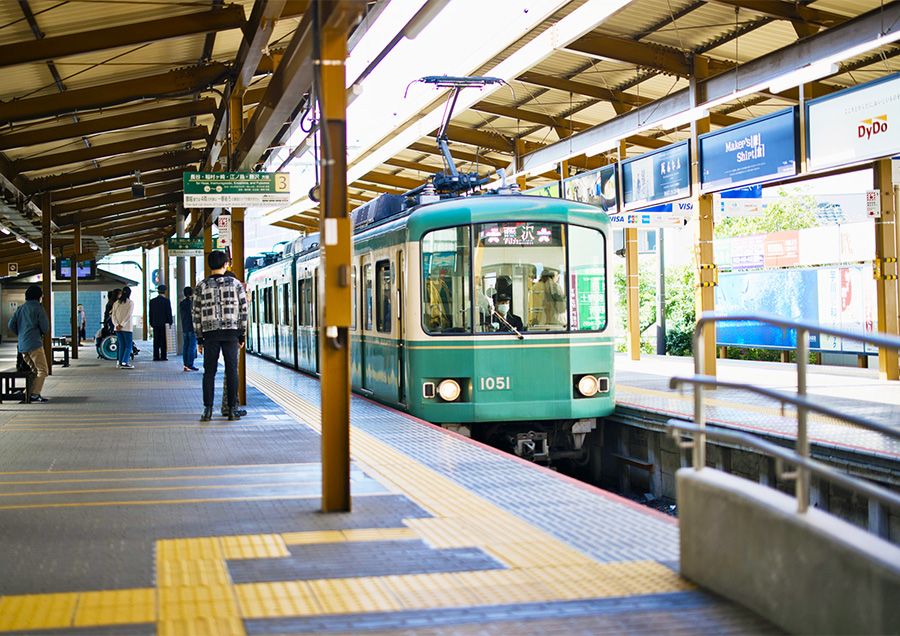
x,y
114,184
106,124
391,180
230,17
661,58
81,177
793,11
119,197
481,139
136,224
42,162
178,81
412,165
255,42
119,208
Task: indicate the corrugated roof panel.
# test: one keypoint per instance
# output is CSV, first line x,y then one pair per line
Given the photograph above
x,y
698,27
642,15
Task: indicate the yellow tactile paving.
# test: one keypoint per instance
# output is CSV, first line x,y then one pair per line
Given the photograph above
x,y
267,600
344,596
197,601
203,626
37,611
116,607
254,546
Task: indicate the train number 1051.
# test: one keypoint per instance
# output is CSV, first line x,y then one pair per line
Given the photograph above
x,y
499,383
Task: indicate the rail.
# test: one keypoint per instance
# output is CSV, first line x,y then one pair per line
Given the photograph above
x,y
805,466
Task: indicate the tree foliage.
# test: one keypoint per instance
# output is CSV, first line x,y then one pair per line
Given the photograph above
x,y
792,211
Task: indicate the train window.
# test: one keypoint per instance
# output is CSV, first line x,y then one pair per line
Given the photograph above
x,y
285,304
267,305
353,303
520,277
367,296
383,294
307,309
587,266
446,306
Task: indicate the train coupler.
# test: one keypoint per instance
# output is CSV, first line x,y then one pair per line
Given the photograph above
x,y
532,446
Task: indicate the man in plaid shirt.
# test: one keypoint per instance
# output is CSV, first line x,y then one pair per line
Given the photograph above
x,y
220,320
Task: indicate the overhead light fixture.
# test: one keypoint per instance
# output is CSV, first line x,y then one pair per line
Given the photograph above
x,y
33,246
19,239
137,188
4,229
808,73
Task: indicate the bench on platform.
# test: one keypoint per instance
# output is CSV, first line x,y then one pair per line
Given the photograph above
x,y
10,388
65,355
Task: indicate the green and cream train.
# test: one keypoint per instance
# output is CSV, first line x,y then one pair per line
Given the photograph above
x,y
487,314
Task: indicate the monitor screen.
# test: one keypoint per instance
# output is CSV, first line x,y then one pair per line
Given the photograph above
x,y
86,269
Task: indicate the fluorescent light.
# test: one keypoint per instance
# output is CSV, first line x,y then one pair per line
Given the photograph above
x,y
809,73
865,47
19,239
4,229
33,246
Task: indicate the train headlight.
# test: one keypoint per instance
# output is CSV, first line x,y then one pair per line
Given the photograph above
x,y
588,385
449,390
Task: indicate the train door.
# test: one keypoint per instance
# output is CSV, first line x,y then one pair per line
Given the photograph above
x,y
297,307
365,301
315,316
401,331
275,314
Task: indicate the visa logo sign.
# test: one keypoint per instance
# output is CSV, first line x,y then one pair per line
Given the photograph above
x,y
871,127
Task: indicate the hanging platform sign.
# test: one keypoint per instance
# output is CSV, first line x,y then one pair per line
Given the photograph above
x,y
756,151
187,247
656,177
855,125
236,189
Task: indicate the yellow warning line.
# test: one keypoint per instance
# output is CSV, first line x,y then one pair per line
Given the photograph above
x,y
94,491
120,479
82,471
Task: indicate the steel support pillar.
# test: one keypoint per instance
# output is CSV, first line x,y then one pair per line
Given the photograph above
x,y
73,286
47,273
886,269
707,275
179,281
144,293
236,119
334,294
632,283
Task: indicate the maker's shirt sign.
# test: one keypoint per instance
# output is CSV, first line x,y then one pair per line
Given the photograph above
x,y
855,125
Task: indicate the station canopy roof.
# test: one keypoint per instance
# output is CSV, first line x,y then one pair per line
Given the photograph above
x,y
94,90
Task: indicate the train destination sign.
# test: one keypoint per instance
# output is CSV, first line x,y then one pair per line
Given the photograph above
x,y
753,152
596,187
236,189
854,125
656,177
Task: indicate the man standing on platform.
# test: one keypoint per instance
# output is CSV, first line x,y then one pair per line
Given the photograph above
x,y
189,346
160,318
30,324
220,320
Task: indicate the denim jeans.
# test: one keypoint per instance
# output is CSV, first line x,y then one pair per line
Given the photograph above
x,y
124,340
189,348
211,348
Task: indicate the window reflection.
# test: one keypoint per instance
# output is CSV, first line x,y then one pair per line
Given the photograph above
x,y
445,285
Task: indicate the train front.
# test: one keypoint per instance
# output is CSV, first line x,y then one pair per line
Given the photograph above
x,y
511,340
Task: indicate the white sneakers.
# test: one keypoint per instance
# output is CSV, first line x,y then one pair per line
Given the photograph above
x,y
119,365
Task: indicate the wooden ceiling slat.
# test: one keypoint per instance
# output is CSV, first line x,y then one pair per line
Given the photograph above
x,y
99,151
115,184
106,124
178,81
111,210
49,48
118,197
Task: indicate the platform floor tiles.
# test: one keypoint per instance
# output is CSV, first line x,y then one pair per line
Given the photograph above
x,y
121,514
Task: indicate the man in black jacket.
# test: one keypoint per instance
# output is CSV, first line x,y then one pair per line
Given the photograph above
x,y
160,317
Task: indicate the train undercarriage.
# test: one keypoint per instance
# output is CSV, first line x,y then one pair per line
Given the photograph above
x,y
544,442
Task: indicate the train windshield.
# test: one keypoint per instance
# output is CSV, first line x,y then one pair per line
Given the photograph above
x,y
525,276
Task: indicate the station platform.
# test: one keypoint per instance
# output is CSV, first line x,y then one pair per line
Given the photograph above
x,y
120,513
643,385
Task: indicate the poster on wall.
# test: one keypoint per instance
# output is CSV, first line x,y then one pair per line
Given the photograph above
x,y
756,151
854,125
549,190
597,187
656,177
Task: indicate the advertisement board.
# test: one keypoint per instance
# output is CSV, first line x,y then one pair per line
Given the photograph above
x,y
597,187
656,177
549,190
854,125
839,296
756,151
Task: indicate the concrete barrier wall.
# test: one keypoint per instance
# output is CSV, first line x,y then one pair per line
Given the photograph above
x,y
811,573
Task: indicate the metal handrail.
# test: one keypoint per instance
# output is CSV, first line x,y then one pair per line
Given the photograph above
x,y
786,455
701,380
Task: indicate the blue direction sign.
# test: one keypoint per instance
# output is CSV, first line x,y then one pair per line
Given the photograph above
x,y
756,151
658,176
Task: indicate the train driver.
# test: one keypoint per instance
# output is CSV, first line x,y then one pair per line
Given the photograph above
x,y
504,318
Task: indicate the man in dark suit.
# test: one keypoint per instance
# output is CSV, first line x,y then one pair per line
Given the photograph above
x,y
160,317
